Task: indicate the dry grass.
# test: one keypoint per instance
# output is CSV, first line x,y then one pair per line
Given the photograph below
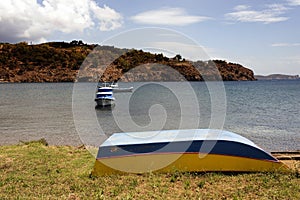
x,y
36,171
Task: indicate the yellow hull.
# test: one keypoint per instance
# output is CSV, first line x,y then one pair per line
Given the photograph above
x,y
187,162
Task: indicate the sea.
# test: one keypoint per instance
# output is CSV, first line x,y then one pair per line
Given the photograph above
x,y
266,112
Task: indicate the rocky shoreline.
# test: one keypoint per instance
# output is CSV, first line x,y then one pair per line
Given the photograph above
x,y
61,62
277,77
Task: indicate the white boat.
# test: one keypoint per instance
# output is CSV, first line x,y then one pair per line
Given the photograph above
x,y
104,96
123,89
116,88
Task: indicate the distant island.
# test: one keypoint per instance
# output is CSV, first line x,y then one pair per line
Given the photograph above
x,y
60,62
277,77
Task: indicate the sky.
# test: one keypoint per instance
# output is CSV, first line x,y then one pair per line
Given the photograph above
x,y
261,35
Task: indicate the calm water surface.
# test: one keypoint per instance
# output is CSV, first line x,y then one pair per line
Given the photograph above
x,y
267,112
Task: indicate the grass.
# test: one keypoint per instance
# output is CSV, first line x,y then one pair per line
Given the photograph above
x,y
33,170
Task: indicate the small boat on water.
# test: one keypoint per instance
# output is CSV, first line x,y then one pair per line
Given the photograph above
x,y
194,150
130,89
104,96
116,88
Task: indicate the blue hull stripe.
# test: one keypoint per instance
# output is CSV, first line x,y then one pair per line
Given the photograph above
x,y
220,147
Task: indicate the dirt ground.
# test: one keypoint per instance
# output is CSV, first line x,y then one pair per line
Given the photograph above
x,y
291,159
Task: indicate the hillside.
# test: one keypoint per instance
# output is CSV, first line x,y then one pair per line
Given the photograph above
x,y
60,62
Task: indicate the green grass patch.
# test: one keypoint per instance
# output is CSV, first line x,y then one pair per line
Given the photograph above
x,y
34,170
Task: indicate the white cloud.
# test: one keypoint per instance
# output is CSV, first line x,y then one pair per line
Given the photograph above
x,y
271,14
109,18
285,45
168,16
29,20
241,7
294,2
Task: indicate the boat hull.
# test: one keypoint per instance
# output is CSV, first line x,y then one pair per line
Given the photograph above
x,y
187,162
123,89
104,102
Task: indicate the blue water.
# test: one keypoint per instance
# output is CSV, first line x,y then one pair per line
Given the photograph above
x,y
266,112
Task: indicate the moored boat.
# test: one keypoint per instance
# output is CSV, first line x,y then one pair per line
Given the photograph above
x,y
104,96
194,150
116,88
130,89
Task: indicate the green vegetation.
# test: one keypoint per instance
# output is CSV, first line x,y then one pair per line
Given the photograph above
x,y
33,170
60,62
43,55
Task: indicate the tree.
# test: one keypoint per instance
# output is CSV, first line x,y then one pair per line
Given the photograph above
x,y
178,57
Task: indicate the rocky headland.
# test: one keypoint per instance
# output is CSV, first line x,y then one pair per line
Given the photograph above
x,y
277,77
76,61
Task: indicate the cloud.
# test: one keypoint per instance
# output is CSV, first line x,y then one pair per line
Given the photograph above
x,y
285,45
271,14
294,2
241,7
30,20
109,18
168,16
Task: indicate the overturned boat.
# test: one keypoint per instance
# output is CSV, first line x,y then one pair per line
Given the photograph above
x,y
194,150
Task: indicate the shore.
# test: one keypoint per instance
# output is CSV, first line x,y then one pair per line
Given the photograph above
x,y
35,170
